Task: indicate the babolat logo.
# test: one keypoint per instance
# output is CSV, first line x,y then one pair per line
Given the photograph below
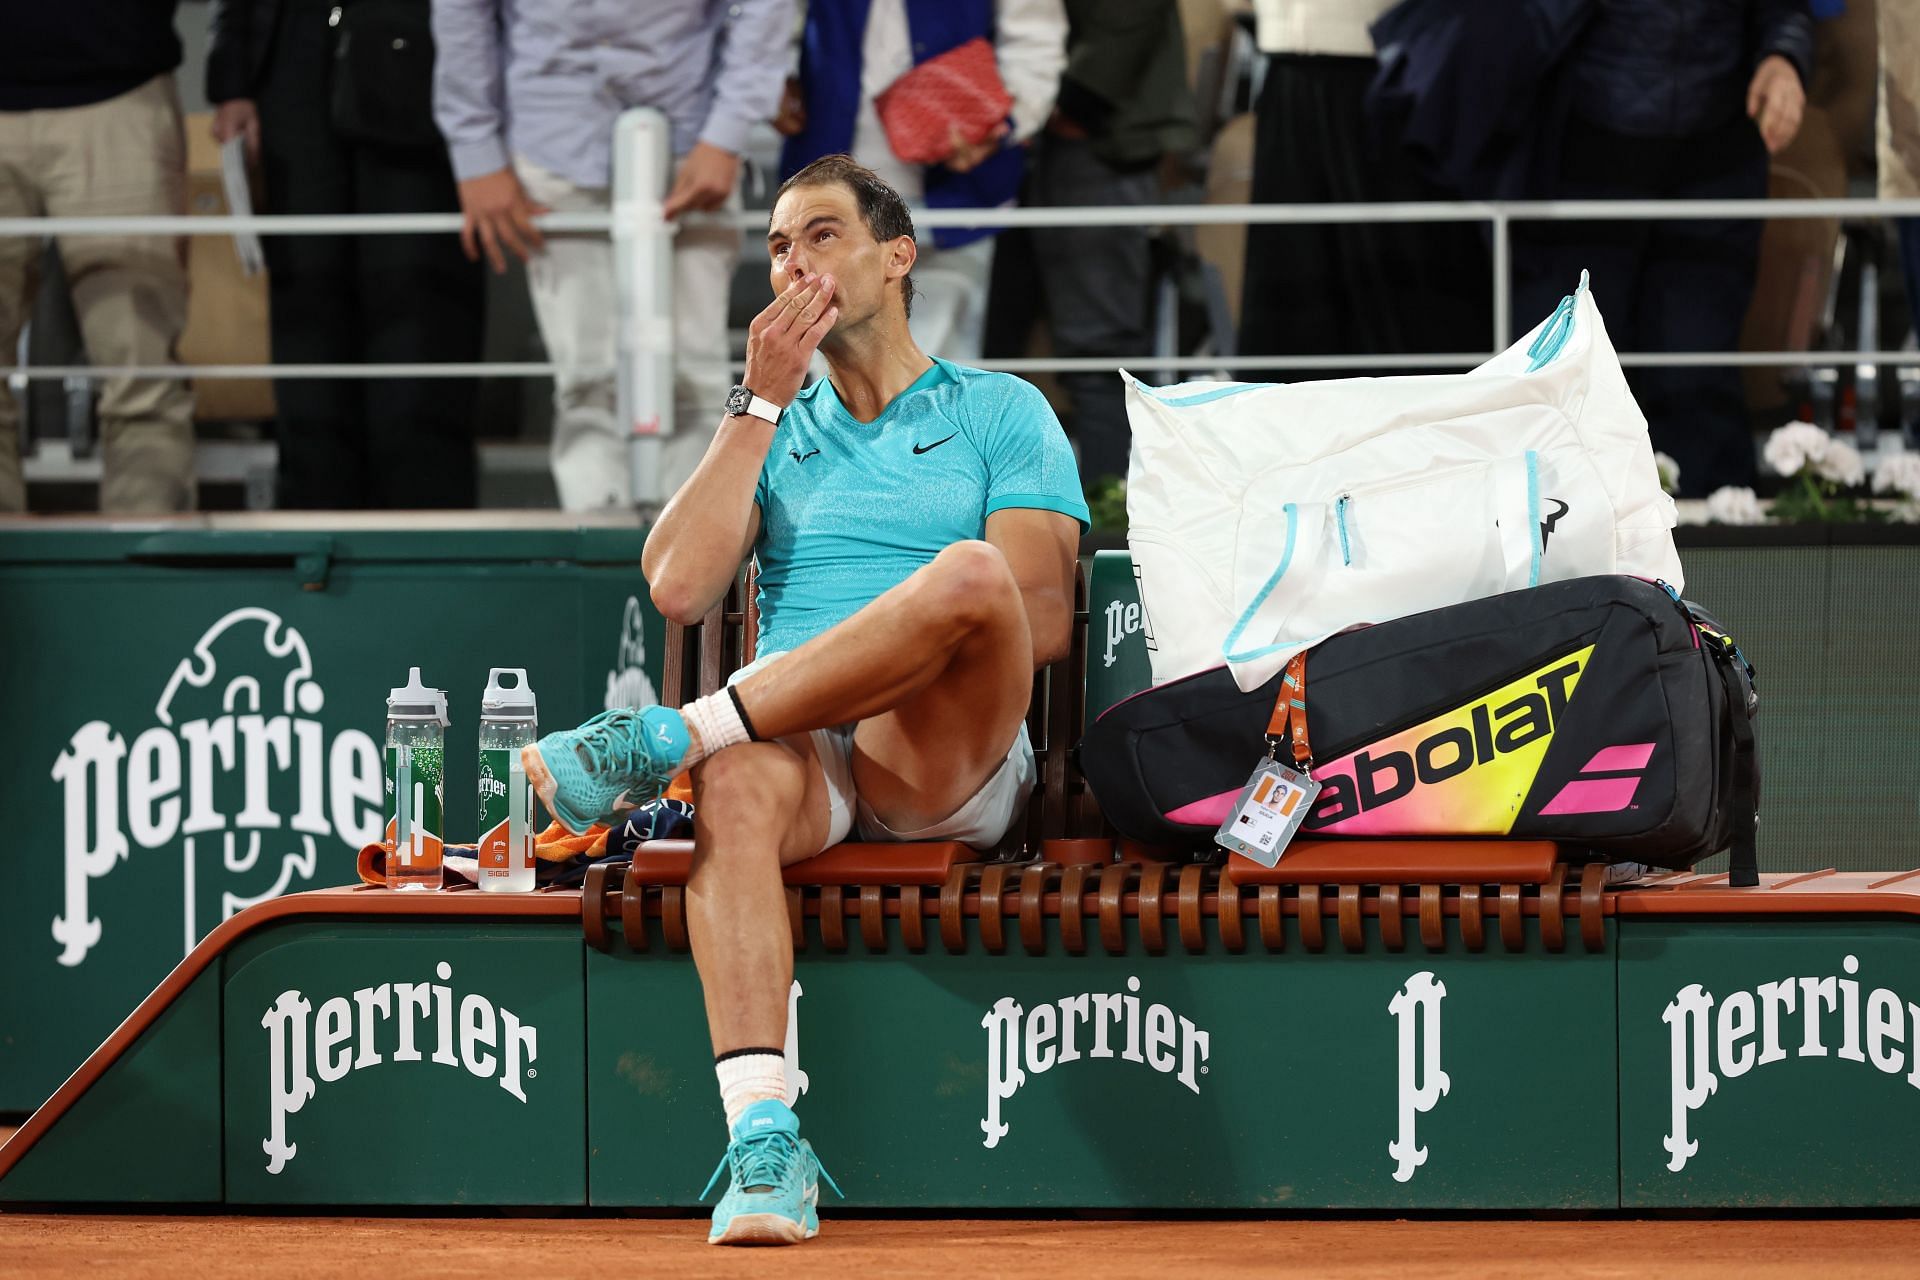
x,y
413,1021
1084,1026
1753,1028
627,683
1474,763
237,746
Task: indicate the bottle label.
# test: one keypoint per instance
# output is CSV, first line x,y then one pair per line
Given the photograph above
x,y
506,805
415,794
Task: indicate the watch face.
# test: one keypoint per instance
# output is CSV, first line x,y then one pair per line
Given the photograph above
x,y
738,399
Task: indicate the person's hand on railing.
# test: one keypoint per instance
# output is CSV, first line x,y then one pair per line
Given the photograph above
x,y
704,180
496,210
792,116
238,118
781,340
968,155
1775,100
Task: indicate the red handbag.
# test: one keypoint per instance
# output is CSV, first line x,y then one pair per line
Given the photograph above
x,y
959,89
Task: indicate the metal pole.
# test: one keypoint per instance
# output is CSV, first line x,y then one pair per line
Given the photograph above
x,y
643,291
20,375
1502,283
1171,215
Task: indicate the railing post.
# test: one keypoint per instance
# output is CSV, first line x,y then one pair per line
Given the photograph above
x,y
1502,282
643,291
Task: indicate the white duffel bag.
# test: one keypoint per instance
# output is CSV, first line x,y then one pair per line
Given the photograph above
x,y
1266,517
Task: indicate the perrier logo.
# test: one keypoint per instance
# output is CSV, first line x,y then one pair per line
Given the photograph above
x,y
491,787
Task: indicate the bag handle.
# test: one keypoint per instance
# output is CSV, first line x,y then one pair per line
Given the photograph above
x,y
1273,580
1289,718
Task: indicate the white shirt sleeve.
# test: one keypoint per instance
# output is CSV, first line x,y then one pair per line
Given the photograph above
x,y
1030,47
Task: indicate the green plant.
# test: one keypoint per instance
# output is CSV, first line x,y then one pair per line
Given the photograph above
x,y
1107,503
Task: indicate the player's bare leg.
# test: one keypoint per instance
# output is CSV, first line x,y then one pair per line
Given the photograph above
x,y
756,808
947,651
958,622
938,672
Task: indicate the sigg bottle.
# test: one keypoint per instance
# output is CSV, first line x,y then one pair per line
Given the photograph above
x,y
416,784
507,723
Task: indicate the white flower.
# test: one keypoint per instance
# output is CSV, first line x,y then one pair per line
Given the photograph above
x,y
1669,472
1841,463
1734,505
1793,446
1898,473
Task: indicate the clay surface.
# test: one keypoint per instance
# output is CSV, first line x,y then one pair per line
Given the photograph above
x,y
214,1248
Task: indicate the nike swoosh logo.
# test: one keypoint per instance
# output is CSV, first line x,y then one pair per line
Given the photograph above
x,y
928,448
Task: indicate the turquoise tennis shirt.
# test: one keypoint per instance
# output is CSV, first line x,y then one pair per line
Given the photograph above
x,y
849,509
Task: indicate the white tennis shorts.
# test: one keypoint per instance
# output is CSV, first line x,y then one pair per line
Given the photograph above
x,y
980,822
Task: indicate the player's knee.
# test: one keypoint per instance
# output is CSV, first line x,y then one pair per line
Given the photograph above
x,y
756,784
972,580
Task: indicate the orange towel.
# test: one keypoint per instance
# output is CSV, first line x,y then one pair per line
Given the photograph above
x,y
555,844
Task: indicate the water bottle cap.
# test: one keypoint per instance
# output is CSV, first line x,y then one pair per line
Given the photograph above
x,y
415,701
513,701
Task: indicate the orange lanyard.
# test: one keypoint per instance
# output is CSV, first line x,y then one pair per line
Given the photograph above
x,y
1289,718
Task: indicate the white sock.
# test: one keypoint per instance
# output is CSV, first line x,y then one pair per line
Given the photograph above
x,y
716,724
749,1076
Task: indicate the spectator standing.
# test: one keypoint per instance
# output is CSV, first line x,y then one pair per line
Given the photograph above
x,y
1673,100
850,51
1899,131
335,102
527,93
90,127
1123,105
1378,289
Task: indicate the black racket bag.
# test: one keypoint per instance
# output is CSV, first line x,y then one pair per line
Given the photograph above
x,y
1602,713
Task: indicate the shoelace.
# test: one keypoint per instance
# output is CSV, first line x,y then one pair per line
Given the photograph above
x,y
605,747
764,1161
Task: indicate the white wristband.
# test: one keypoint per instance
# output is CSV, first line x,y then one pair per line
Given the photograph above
x,y
763,409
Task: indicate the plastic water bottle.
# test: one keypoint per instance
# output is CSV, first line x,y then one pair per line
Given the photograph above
x,y
416,784
508,722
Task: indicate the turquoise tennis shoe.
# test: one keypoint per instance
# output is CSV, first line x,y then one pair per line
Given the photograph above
x,y
773,1194
615,761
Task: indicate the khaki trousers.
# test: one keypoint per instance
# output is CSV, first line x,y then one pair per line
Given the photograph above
x,y
124,156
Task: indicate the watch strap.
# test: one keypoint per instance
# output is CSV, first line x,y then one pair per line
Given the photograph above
x,y
763,409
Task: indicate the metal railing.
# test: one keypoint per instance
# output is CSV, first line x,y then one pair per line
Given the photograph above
x,y
642,239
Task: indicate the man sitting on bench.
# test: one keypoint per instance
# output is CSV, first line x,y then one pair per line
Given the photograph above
x,y
916,524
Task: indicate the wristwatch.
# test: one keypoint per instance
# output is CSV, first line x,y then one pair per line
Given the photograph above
x,y
742,402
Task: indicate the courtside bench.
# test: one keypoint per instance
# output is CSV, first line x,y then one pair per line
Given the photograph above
x,y
1062,864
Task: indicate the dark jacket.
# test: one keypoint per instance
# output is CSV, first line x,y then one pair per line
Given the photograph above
x,y
239,37
1676,68
1126,79
1472,90
72,53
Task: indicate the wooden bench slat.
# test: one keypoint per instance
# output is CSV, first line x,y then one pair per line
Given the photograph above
x,y
669,862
